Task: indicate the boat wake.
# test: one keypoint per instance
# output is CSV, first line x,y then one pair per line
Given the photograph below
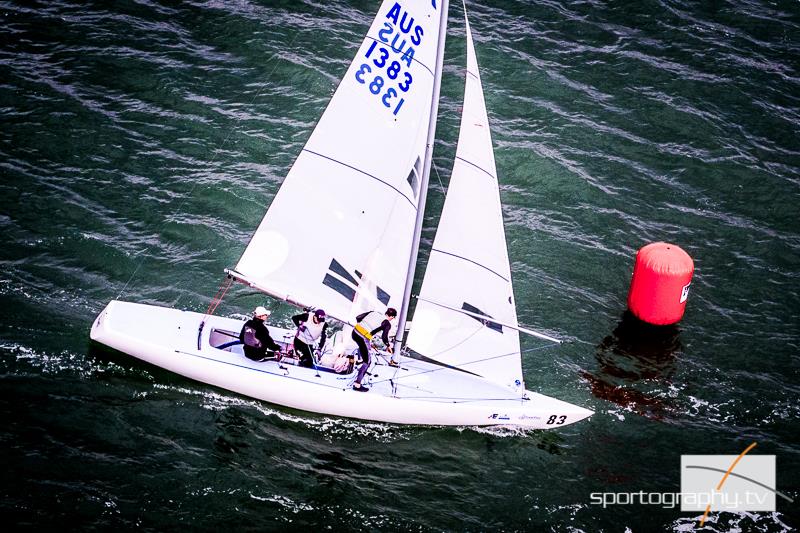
x,y
730,521
332,429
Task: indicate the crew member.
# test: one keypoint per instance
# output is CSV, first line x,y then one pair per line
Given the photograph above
x,y
310,327
368,325
256,338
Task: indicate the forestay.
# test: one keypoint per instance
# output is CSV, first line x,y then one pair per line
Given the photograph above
x,y
339,232
468,267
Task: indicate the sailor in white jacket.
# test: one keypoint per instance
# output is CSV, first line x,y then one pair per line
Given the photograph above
x,y
310,328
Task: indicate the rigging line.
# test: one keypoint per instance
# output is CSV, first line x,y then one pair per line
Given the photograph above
x,y
278,374
488,358
480,327
536,349
459,368
436,169
214,154
483,317
212,307
398,378
506,355
426,174
460,400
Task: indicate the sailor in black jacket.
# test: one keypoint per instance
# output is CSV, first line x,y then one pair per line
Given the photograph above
x,y
256,338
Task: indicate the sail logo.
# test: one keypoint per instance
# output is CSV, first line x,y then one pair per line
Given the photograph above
x,y
350,285
386,71
405,21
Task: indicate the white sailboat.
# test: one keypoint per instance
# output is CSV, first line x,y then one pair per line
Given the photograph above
x,y
343,233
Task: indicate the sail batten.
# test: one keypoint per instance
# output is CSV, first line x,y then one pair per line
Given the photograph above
x,y
468,260
364,172
465,315
477,166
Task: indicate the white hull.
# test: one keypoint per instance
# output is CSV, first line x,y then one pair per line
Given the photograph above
x,y
416,393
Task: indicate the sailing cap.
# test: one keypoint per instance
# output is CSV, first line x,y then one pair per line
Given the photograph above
x,y
260,310
320,314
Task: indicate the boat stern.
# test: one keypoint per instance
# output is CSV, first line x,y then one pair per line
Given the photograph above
x,y
99,332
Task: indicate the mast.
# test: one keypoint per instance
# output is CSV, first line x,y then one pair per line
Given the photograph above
x,y
426,172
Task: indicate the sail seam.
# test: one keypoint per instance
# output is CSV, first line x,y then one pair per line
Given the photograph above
x,y
415,60
471,261
364,173
479,168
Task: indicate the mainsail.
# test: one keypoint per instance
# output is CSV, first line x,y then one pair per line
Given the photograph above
x,y
342,234
468,267
339,232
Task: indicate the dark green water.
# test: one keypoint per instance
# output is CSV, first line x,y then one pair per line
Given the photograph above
x,y
141,143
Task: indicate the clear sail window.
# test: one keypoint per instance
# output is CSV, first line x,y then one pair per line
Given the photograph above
x,y
413,176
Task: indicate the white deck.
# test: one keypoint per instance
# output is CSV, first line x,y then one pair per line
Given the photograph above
x,y
415,393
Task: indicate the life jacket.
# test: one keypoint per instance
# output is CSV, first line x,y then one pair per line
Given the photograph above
x,y
250,338
369,324
312,331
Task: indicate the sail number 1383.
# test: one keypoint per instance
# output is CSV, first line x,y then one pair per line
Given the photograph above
x,y
399,79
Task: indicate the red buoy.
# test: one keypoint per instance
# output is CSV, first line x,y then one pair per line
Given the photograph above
x,y
660,283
